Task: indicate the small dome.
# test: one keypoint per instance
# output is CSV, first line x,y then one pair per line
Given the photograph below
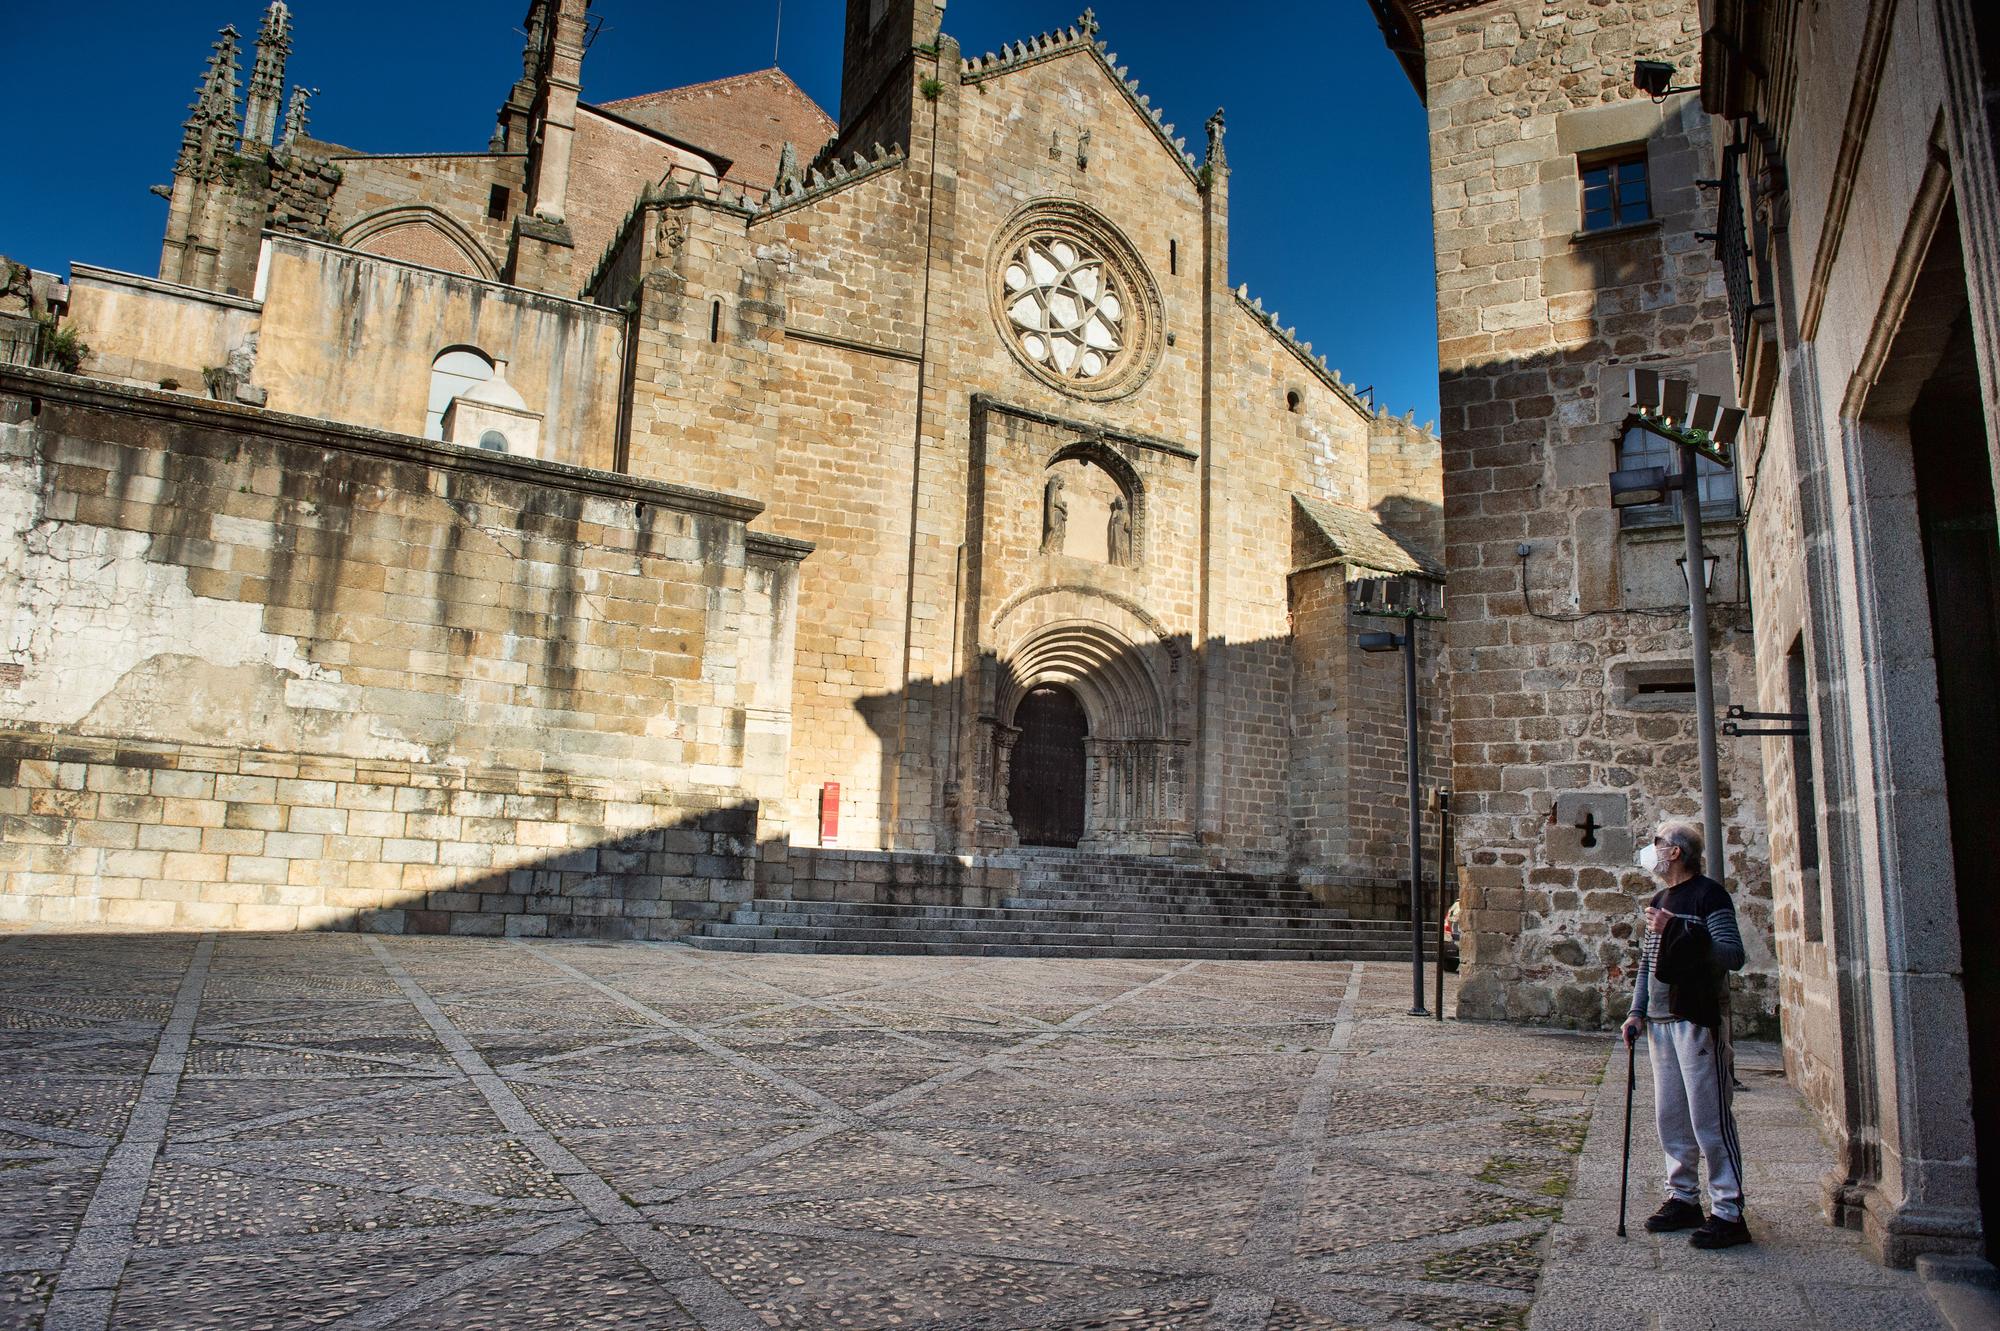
x,y
495,392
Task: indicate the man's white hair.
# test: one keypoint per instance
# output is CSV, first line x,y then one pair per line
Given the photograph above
x,y
1687,837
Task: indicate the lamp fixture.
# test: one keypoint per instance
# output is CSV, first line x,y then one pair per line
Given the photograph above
x,y
1655,78
1708,563
1397,597
1381,642
1671,409
1638,486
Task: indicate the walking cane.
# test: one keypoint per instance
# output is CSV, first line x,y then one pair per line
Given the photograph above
x,y
1625,1165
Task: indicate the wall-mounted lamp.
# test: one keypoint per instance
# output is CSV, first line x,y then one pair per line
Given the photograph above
x,y
1655,78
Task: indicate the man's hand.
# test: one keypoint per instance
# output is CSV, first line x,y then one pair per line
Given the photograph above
x,y
1633,1025
1657,919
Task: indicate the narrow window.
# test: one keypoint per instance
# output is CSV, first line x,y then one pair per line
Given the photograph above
x,y
1805,800
1173,256
1615,192
1293,401
496,202
715,321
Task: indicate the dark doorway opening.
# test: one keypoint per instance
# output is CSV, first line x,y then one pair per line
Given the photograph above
x,y
1045,785
1955,512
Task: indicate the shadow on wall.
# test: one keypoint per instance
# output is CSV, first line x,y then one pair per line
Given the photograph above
x,y
1573,728
1078,738
133,835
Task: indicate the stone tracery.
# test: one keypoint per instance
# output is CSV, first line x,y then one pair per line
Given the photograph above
x,y
1064,304
1073,300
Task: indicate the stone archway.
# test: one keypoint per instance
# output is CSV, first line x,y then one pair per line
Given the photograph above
x,y
1127,688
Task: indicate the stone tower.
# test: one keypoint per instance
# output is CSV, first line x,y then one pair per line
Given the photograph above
x,y
195,230
542,253
233,180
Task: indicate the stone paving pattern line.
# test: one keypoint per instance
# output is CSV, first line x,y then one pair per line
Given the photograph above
x,y
339,1130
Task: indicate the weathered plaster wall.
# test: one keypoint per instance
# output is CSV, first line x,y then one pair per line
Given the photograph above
x,y
155,334
349,337
319,676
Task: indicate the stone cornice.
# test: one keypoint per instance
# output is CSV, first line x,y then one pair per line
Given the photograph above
x,y
1402,24
111,277
1083,429
183,410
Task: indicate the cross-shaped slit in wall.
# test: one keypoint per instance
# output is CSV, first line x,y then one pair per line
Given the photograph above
x,y
1589,827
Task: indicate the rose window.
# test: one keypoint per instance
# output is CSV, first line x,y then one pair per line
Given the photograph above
x,y
1064,307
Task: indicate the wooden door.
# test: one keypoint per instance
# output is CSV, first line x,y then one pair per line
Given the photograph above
x,y
1045,793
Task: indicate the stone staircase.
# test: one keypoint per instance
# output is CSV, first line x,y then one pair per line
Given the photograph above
x,y
1072,904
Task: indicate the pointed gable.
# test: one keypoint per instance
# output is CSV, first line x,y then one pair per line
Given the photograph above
x,y
747,119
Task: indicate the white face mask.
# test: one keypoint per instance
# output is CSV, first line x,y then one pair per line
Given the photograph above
x,y
1649,858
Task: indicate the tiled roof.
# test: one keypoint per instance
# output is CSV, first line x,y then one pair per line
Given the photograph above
x,y
748,119
1353,536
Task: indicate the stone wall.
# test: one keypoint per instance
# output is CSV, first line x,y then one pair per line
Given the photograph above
x,y
156,334
1552,739
1861,138
349,337
322,676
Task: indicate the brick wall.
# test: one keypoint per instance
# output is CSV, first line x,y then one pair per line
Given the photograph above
x,y
323,677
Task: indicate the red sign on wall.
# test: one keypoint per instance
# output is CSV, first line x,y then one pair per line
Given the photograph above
x,y
829,813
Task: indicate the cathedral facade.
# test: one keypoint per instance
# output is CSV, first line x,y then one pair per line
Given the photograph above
x,y
1051,529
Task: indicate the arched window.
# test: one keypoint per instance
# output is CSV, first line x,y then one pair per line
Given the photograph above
x,y
493,441
455,370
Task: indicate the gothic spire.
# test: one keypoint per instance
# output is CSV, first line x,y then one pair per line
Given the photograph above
x,y
295,115
210,129
267,78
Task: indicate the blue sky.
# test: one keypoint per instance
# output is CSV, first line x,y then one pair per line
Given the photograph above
x,y
1329,196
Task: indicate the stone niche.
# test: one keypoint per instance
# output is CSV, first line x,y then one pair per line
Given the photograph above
x,y
1086,514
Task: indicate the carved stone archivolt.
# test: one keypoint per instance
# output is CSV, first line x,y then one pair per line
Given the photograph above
x,y
1136,754
1073,301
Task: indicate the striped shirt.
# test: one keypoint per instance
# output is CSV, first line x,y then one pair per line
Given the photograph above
x,y
1700,901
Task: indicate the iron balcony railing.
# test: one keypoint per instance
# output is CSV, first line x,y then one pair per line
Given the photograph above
x,y
1745,272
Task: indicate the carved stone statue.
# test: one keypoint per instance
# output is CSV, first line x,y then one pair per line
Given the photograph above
x,y
1118,537
1055,516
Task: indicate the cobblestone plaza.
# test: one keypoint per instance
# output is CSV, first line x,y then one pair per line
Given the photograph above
x,y
341,1130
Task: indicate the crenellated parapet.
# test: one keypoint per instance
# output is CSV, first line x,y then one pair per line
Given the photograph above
x,y
829,174
682,188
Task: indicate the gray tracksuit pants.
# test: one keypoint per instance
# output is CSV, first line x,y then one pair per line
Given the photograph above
x,y
1691,1095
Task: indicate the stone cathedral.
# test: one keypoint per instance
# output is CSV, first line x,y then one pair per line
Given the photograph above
x,y
694,496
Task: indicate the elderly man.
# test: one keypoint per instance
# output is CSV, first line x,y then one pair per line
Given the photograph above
x,y
1691,942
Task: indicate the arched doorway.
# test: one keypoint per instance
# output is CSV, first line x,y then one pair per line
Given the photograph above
x,y
1045,790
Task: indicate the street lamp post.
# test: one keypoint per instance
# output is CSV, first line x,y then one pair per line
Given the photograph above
x,y
1698,426
1412,600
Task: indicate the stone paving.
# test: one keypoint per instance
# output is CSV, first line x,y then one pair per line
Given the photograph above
x,y
336,1130
1800,1275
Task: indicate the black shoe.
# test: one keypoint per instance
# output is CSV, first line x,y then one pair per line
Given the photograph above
x,y
1720,1233
1676,1214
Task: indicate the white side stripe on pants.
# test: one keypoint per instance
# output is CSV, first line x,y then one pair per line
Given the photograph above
x,y
1691,1097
